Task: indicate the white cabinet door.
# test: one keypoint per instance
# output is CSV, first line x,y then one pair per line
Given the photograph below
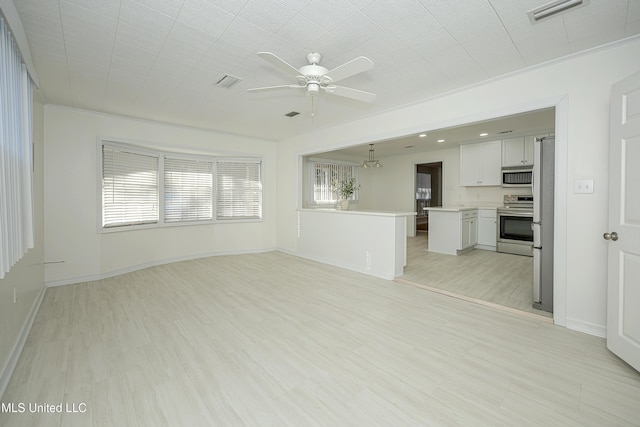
x,y
473,232
487,225
465,238
480,164
491,163
468,229
528,149
470,165
487,231
513,151
519,151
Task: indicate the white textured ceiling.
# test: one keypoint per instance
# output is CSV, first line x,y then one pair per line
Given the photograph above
x,y
160,59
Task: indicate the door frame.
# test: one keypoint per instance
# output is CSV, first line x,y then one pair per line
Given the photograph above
x,y
415,186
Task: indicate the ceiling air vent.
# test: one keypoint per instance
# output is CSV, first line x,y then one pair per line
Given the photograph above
x,y
503,132
550,9
228,81
292,114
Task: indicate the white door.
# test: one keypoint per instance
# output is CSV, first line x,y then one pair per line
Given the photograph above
x,y
623,235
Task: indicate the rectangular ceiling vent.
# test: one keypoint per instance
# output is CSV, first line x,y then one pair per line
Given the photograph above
x,y
550,9
228,81
292,114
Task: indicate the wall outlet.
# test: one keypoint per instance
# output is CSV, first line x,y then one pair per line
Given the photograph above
x,y
583,186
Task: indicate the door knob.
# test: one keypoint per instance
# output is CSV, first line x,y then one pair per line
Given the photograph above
x,y
610,236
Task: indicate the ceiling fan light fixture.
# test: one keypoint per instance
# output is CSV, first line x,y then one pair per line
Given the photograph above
x,y
550,9
313,88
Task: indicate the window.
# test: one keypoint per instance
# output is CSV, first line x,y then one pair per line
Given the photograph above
x,y
188,190
129,187
239,190
16,154
323,174
143,187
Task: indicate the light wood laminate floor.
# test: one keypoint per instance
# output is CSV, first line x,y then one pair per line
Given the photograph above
x,y
271,339
485,276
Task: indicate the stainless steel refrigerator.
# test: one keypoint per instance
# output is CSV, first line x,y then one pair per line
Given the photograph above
x,y
543,193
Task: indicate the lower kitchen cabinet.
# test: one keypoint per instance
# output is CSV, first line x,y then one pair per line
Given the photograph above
x,y
468,229
487,229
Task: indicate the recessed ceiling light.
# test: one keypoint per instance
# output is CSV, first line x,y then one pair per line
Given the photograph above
x,y
441,141
422,135
484,134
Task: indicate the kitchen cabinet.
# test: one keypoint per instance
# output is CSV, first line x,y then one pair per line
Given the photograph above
x,y
468,229
519,151
452,230
487,229
480,164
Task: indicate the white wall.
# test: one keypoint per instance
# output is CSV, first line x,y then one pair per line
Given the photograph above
x,y
72,195
581,84
27,276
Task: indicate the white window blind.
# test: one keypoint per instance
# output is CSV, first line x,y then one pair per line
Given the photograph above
x,y
188,190
239,190
129,187
16,157
323,176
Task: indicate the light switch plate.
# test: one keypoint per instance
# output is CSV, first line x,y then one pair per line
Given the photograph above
x,y
583,186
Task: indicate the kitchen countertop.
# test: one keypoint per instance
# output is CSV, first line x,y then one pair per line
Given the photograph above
x,y
457,208
356,212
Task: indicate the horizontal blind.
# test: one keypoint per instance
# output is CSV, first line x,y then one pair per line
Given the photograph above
x,y
129,187
188,190
239,190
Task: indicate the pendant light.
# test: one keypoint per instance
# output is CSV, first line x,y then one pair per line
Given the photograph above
x,y
372,162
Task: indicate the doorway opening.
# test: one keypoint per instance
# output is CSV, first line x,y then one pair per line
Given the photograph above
x,y
428,191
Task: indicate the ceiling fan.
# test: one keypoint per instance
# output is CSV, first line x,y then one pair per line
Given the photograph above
x,y
314,77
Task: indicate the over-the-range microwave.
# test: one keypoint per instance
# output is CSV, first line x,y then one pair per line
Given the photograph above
x,y
517,176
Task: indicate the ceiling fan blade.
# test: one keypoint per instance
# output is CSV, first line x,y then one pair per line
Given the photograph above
x,y
279,63
347,92
353,67
268,88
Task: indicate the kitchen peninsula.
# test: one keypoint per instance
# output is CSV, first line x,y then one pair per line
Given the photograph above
x,y
370,242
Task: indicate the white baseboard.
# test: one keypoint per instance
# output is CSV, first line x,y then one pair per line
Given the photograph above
x,y
380,274
153,263
587,328
7,370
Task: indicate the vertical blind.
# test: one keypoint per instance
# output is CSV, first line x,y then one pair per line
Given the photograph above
x,y
129,187
16,156
324,174
239,193
188,190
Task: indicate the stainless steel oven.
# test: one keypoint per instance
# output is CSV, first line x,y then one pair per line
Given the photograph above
x,y
514,230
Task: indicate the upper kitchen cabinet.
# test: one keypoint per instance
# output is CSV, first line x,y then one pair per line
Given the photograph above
x,y
480,164
519,151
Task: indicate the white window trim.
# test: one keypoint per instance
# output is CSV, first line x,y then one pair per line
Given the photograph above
x,y
162,152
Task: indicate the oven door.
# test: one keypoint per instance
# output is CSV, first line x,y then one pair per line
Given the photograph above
x,y
515,233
